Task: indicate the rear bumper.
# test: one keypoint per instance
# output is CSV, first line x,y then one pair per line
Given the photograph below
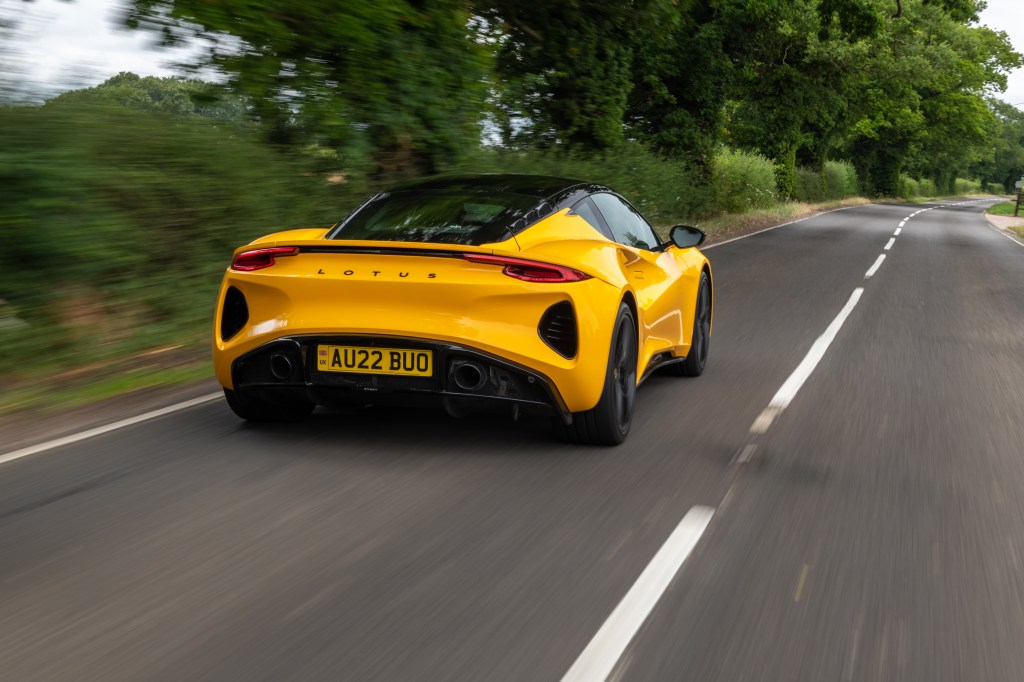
x,y
285,369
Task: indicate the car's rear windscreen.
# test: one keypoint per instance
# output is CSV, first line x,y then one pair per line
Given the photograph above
x,y
441,216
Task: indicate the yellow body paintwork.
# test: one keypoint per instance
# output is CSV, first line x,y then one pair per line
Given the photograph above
x,y
472,304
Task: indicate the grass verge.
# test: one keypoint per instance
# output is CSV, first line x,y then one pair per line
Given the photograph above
x,y
1005,208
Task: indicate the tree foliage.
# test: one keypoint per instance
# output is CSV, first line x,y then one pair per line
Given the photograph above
x,y
175,96
397,83
398,87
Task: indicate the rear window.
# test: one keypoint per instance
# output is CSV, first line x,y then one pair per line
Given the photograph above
x,y
442,216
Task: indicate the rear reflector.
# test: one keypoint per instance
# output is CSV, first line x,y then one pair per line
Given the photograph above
x,y
528,270
261,258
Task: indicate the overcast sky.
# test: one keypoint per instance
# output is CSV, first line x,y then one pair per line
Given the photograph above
x,y
63,45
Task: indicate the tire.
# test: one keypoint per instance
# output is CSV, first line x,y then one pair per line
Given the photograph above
x,y
700,344
255,409
608,422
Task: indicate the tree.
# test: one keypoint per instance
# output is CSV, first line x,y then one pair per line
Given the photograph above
x,y
681,80
923,108
1006,165
565,68
791,92
403,81
163,95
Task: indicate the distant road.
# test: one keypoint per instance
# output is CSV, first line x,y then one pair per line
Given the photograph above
x,y
840,497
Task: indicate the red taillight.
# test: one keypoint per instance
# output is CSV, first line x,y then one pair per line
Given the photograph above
x,y
528,270
261,258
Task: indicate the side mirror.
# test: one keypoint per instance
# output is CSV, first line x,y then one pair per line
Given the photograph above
x,y
686,237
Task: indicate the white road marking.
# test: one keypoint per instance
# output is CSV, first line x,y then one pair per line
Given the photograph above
x,y
775,227
888,245
604,650
902,223
746,453
897,232
1005,234
764,420
100,430
874,268
792,385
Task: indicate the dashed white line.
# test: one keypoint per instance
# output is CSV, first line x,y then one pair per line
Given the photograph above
x,y
888,245
902,223
897,232
796,380
604,650
100,430
874,268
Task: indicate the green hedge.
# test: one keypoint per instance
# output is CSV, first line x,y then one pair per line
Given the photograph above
x,y
911,188
838,181
117,224
963,186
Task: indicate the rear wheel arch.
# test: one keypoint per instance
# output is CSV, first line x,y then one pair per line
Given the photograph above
x,y
630,301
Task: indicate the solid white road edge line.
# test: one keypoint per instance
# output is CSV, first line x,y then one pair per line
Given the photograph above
x,y
1005,234
775,227
888,245
792,385
604,650
874,268
100,430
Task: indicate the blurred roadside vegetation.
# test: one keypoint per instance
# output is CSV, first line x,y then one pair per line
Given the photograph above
x,y
120,203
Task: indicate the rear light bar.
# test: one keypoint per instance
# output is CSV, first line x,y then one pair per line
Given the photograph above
x,y
528,270
258,259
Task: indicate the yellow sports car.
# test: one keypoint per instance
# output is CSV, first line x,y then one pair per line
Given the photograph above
x,y
476,292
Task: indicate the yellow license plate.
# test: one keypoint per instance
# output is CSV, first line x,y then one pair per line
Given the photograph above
x,y
369,360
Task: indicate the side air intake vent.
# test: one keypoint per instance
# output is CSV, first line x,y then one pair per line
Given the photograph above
x,y
234,315
558,329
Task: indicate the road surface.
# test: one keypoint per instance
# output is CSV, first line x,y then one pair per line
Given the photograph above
x,y
839,497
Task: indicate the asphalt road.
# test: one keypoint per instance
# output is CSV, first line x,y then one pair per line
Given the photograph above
x,y
871,528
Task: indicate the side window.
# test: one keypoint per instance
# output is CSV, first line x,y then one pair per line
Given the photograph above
x,y
628,227
585,209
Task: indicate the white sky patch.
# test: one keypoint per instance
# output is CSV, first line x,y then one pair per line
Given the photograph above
x,y
60,46
66,45
1008,16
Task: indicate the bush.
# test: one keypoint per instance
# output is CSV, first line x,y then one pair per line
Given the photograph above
x,y
841,180
995,188
909,187
928,188
962,186
743,181
809,186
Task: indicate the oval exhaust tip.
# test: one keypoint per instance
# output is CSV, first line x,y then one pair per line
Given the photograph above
x,y
469,376
281,366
